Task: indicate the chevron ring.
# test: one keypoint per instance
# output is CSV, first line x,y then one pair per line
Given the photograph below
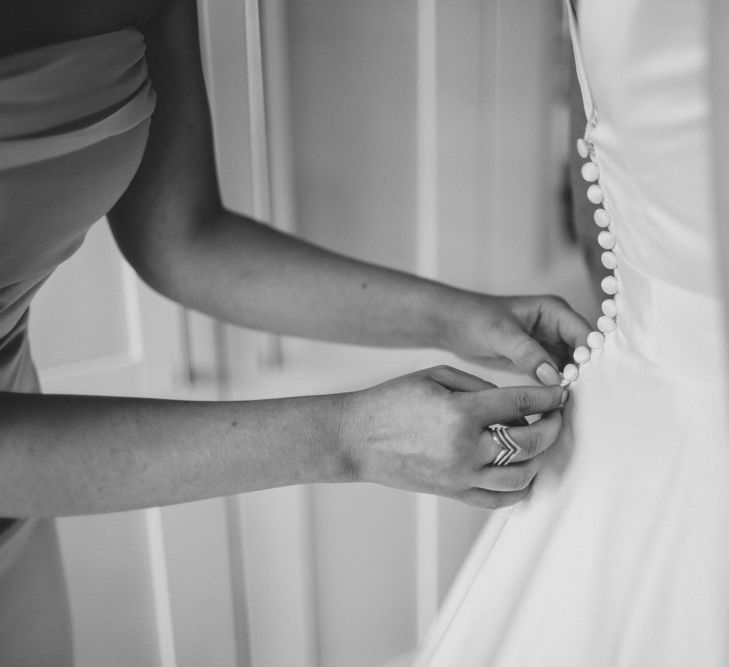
x,y
509,447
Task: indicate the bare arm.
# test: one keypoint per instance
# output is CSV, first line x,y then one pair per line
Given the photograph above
x,y
172,227
425,432
64,455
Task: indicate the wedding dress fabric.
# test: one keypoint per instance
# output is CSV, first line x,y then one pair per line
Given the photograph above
x,y
74,119
620,555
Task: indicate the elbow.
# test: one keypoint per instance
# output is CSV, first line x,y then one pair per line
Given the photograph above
x,y
158,254
160,269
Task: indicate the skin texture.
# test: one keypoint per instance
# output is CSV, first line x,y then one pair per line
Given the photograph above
x,y
438,442
424,432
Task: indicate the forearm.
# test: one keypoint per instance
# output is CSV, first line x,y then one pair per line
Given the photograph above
x,y
62,455
249,274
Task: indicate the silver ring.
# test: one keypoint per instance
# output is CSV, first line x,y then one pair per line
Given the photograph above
x,y
509,447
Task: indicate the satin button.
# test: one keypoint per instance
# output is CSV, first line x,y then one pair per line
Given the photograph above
x,y
570,372
606,324
595,340
602,217
606,240
609,307
582,355
609,285
594,194
590,172
608,259
582,148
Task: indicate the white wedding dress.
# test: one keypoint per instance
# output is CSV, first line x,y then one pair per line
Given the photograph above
x,y
620,556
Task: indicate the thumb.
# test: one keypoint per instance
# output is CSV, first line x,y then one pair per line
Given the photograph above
x,y
512,342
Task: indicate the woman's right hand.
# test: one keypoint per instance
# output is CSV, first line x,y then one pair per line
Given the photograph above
x,y
428,432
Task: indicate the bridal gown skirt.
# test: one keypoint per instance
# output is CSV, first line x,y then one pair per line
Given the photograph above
x,y
620,556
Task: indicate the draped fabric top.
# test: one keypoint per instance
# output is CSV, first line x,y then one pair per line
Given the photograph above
x,y
74,119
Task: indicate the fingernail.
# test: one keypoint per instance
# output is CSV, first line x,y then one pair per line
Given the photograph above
x,y
565,396
548,374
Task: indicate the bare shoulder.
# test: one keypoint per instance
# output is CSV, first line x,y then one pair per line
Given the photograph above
x,y
171,29
176,182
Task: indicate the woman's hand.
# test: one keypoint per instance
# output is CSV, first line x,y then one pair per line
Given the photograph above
x,y
535,334
428,432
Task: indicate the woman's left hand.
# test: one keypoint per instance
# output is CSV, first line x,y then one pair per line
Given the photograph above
x,y
535,334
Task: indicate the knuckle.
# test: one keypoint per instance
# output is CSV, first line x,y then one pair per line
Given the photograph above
x,y
523,403
533,444
502,324
524,347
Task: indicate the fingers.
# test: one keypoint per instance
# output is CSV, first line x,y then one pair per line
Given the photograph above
x,y
514,477
491,500
571,326
511,341
532,439
541,321
506,404
494,487
457,380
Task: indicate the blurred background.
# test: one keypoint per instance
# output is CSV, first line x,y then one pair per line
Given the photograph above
x,y
429,136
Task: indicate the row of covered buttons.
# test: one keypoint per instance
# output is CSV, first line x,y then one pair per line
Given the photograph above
x,y
606,239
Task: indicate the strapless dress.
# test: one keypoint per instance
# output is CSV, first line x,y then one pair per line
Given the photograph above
x,y
74,120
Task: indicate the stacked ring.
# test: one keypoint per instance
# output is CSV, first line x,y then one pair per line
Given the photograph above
x,y
509,447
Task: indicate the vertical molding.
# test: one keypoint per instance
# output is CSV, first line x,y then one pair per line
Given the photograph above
x,y
234,524
257,114
270,353
276,91
427,142
518,137
497,222
717,26
271,535
160,587
426,507
133,311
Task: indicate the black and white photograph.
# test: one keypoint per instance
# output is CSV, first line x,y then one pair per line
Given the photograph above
x,y
364,333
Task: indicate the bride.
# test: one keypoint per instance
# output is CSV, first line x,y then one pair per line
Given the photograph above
x,y
620,556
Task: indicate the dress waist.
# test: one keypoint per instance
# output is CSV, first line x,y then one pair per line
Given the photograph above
x,y
676,328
